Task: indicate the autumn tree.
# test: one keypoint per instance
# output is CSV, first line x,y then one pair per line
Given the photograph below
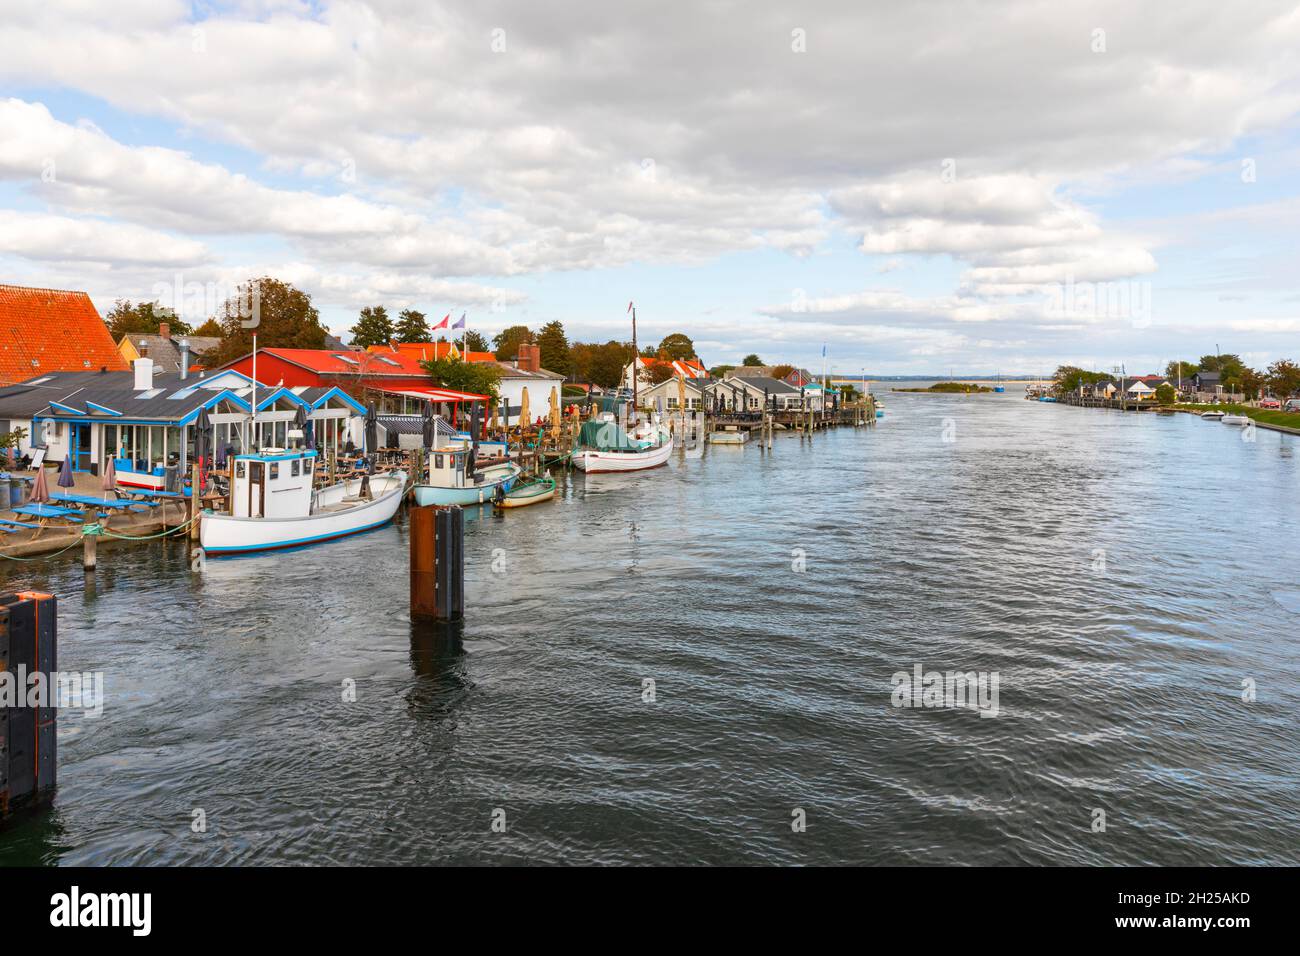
x,y
373,327
676,347
1283,377
280,315
505,344
209,329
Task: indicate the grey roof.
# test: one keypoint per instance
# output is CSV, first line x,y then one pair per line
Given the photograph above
x,y
115,390
165,351
510,371
775,386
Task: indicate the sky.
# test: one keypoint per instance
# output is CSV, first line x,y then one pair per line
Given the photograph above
x,y
931,188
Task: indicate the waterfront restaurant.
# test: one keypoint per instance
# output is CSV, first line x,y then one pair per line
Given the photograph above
x,y
145,420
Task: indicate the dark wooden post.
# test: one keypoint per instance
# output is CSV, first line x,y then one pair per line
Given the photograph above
x,y
88,541
437,563
28,747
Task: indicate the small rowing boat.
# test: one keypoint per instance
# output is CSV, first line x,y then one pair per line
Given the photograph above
x,y
534,492
1235,420
1212,416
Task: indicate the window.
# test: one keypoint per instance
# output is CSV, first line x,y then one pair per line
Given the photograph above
x,y
239,468
296,470
275,470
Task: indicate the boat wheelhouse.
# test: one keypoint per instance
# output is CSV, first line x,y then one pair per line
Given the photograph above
x,y
275,503
450,482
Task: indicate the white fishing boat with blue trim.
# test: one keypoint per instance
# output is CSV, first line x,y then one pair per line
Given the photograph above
x,y
273,505
451,482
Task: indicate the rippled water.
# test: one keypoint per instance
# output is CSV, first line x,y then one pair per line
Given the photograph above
x,y
1121,574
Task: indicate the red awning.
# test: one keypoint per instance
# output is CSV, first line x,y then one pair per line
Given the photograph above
x,y
435,394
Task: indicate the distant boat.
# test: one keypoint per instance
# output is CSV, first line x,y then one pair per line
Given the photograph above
x,y
450,482
728,438
1212,416
273,505
603,446
999,387
531,493
1234,419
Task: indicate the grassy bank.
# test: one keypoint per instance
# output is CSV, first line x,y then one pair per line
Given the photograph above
x,y
1264,415
948,388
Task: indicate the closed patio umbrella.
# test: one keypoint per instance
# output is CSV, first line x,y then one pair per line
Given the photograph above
x,y
40,489
65,473
426,423
474,412
523,409
300,421
108,480
372,429
555,411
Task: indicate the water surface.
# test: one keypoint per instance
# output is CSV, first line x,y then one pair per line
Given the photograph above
x,y
1121,574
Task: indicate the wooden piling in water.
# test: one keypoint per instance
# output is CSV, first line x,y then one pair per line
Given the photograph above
x,y
28,739
437,563
89,546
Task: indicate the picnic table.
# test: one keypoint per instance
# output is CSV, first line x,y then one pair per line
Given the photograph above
x,y
89,501
43,514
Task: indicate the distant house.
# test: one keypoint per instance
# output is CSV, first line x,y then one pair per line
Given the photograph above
x,y
1206,382
165,350
679,368
49,330
797,378
1139,390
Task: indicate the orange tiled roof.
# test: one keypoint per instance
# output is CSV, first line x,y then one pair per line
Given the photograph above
x,y
48,330
428,351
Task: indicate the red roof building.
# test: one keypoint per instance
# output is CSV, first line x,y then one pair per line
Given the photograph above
x,y
48,330
430,351
351,371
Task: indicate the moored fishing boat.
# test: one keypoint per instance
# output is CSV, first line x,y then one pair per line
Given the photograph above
x,y
529,493
603,446
450,481
273,505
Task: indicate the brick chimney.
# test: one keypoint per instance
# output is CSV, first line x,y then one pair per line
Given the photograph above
x,y
165,331
529,358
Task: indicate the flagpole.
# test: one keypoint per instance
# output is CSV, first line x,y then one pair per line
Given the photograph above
x,y
636,362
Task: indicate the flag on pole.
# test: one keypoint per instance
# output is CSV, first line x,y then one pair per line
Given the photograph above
x,y
461,323
443,323
629,307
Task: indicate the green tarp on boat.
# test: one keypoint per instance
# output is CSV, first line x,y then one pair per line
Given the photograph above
x,y
605,436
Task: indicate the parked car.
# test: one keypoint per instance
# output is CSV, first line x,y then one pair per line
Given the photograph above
x,y
1292,405
1269,403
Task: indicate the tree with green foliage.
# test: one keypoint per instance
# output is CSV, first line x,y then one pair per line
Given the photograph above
x,y
751,361
143,318
411,327
1283,378
554,347
479,378
676,347
373,327
601,365
505,344
1180,369
1068,378
476,342
720,371
1166,394
280,315
209,329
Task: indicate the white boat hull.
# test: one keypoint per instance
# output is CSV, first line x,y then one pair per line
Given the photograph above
x,y
593,462
224,534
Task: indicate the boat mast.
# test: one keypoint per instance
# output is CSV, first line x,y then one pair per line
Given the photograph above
x,y
636,362
249,447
